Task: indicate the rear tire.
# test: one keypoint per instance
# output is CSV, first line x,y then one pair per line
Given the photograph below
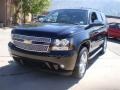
x,y
104,46
81,65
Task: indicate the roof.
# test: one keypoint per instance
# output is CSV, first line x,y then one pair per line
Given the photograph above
x,y
81,8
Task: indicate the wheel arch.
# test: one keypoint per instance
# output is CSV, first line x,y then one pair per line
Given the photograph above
x,y
86,44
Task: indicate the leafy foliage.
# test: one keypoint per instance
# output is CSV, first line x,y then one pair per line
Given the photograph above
x,y
30,6
35,6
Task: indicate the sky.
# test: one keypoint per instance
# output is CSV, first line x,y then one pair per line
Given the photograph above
x,y
109,7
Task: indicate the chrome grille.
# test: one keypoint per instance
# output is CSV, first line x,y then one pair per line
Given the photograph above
x,y
31,47
26,43
32,38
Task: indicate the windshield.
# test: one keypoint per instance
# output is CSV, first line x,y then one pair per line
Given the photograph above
x,y
67,16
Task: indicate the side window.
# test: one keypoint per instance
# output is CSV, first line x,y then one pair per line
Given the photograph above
x,y
104,18
115,26
112,26
52,17
93,17
99,17
119,25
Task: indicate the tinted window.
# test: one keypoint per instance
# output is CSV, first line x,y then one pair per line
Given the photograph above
x,y
113,25
104,18
119,26
68,16
93,17
99,17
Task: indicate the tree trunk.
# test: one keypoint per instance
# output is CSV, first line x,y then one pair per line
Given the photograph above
x,y
15,19
24,18
15,16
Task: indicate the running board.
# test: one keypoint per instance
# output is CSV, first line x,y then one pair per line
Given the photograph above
x,y
92,56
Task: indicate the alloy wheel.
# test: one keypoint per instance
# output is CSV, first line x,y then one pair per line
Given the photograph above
x,y
83,63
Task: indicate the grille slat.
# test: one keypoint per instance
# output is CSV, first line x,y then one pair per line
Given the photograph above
x,y
32,38
31,47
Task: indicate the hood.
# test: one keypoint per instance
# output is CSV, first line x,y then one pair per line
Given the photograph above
x,y
49,30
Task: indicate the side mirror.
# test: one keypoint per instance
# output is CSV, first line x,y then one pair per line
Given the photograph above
x,y
97,23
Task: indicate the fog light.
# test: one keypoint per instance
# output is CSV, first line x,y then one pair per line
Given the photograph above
x,y
62,66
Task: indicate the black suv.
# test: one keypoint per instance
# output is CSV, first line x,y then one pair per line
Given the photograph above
x,y
63,42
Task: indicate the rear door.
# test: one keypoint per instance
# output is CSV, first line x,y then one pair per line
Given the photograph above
x,y
102,31
97,32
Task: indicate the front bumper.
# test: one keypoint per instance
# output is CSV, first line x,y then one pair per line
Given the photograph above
x,y
64,58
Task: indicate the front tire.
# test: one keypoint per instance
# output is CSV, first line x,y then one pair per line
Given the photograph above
x,y
19,61
81,65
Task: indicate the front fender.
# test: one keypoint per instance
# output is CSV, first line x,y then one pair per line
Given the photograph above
x,y
79,39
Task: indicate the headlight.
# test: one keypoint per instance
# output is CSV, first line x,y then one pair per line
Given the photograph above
x,y
57,42
65,42
61,45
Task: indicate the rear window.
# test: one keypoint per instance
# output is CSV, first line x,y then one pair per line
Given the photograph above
x,y
115,26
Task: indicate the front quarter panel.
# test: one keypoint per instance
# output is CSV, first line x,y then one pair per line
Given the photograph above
x,y
79,38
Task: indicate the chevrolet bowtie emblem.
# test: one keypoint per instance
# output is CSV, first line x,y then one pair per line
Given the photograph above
x,y
27,42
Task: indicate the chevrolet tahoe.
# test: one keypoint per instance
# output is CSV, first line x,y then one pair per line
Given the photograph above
x,y
64,41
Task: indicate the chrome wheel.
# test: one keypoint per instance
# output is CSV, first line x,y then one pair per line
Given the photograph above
x,y
83,63
105,44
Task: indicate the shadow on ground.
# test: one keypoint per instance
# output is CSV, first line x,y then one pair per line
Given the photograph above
x,y
15,77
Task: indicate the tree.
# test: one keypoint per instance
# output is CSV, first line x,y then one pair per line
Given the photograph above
x,y
34,6
31,6
15,8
